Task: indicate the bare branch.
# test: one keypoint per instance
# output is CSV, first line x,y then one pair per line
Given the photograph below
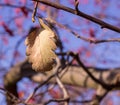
x,y
56,100
76,6
14,100
81,14
89,73
34,12
69,78
95,41
43,83
66,96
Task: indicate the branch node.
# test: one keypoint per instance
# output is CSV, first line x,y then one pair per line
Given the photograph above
x,y
76,6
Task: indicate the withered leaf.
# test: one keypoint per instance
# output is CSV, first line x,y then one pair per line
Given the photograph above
x,y
40,49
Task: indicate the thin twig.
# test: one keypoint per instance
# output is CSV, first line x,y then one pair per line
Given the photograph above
x,y
102,83
34,12
95,41
15,99
35,90
65,93
84,101
81,14
67,65
76,6
56,100
43,83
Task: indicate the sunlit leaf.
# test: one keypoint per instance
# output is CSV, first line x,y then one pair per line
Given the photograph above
x,y
41,44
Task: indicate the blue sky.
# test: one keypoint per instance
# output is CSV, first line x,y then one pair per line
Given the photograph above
x,y
102,55
73,43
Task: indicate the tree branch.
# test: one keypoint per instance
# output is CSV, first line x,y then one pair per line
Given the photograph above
x,y
34,12
70,77
95,41
81,14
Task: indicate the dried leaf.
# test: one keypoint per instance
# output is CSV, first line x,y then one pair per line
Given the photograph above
x,y
40,49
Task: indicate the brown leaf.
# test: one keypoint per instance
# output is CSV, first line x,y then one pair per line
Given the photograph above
x,y
40,49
